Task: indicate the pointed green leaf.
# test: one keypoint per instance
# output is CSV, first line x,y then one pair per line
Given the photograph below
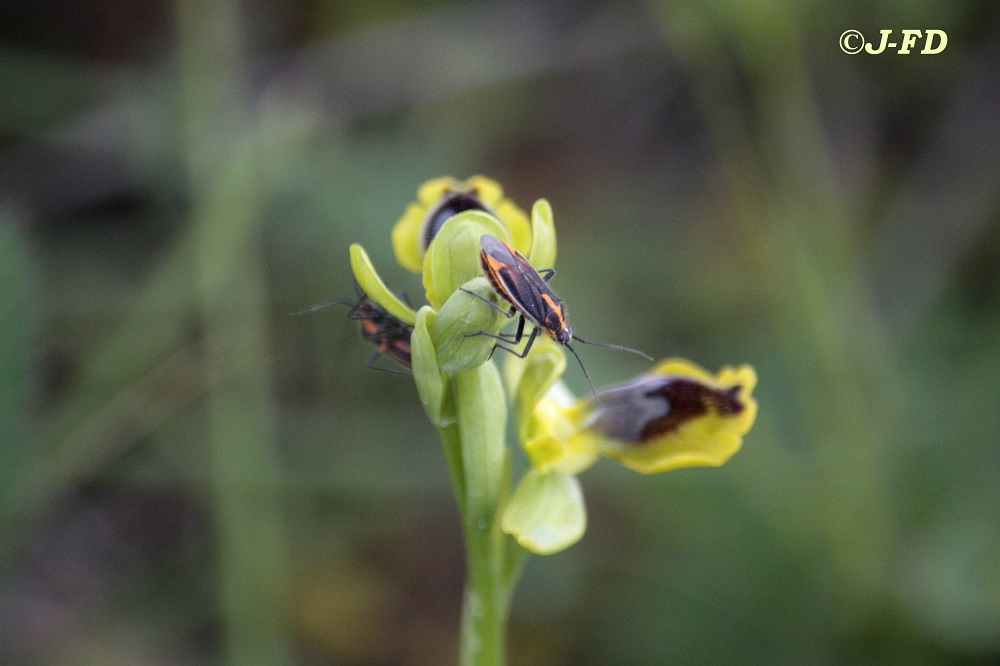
x,y
543,236
370,282
426,372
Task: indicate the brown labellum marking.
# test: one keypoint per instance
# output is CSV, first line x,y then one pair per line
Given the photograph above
x,y
652,406
686,400
451,204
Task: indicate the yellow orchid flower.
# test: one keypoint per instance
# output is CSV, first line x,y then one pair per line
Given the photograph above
x,y
678,415
440,199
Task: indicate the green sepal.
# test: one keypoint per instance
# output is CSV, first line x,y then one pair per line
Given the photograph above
x,y
453,257
482,422
431,383
459,318
372,285
534,376
543,236
546,514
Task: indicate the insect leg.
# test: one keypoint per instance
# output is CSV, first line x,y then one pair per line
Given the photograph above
x,y
505,313
370,364
519,354
503,337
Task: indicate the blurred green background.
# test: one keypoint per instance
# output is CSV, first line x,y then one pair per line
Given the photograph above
x,y
191,476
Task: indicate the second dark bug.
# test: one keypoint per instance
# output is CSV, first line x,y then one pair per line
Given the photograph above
x,y
390,335
527,290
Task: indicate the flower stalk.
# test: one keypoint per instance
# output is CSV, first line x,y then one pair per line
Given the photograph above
x,y
470,413
482,417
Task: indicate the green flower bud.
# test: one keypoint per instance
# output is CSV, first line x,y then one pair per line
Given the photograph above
x,y
453,257
461,316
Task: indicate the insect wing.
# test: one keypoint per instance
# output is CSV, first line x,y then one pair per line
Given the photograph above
x,y
516,279
398,349
390,335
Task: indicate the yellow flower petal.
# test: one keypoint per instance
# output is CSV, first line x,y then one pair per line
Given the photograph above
x,y
554,440
543,410
432,190
517,223
489,190
406,238
679,415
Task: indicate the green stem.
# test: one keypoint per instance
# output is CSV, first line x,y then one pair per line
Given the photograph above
x,y
451,439
482,417
485,602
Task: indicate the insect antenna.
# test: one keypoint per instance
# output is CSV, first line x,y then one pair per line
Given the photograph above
x,y
319,306
618,347
592,390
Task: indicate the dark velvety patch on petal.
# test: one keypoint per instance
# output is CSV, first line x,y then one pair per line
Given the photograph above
x,y
451,204
653,406
687,399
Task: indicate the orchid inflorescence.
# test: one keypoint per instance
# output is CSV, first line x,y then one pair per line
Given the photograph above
x,y
675,415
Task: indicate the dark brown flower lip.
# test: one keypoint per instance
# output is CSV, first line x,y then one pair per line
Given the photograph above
x,y
452,202
655,405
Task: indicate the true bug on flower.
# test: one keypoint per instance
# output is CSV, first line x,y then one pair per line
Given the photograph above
x,y
390,335
518,282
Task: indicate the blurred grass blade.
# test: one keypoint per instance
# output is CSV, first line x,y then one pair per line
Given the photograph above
x,y
222,154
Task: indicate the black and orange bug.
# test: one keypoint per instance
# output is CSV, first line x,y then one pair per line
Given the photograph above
x,y
389,334
526,289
